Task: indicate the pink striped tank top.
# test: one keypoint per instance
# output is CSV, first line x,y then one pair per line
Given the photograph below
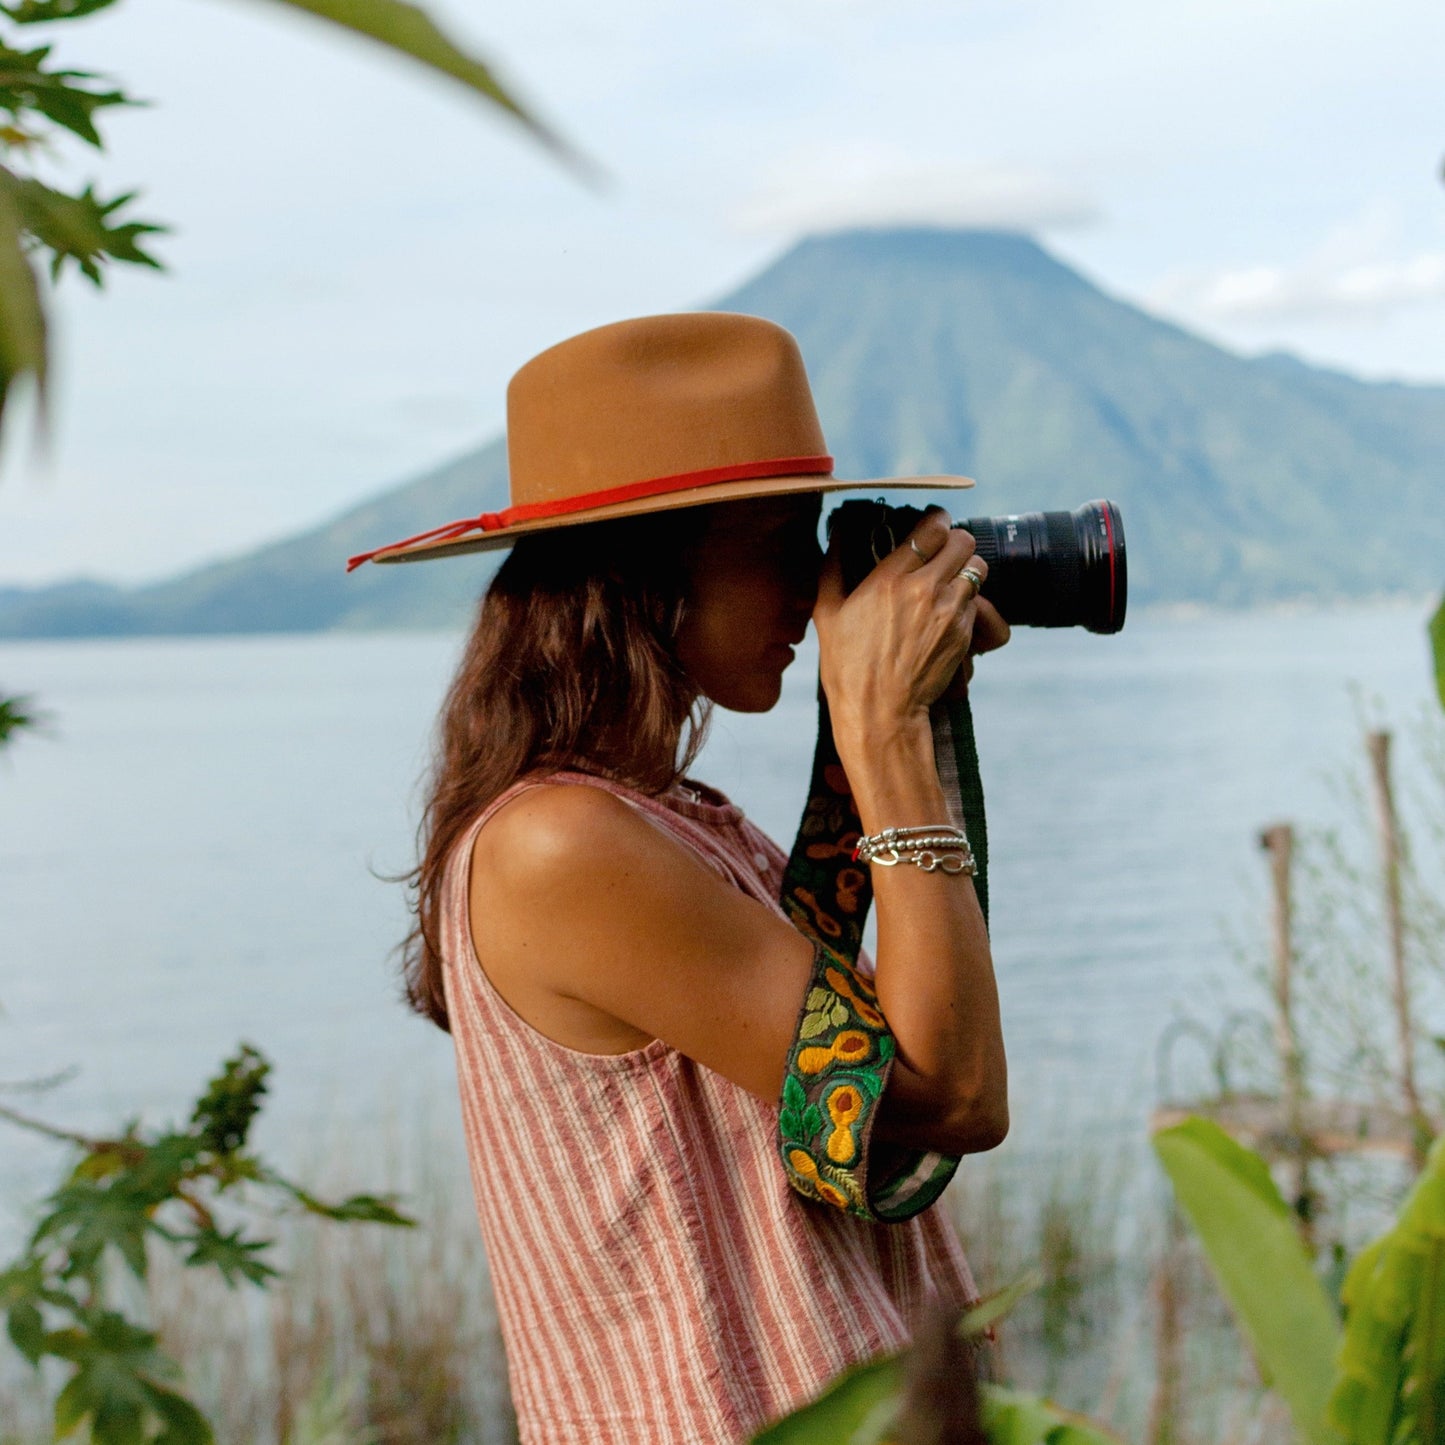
x,y
657,1281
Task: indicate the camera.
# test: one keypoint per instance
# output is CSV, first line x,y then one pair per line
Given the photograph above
x,y
1045,569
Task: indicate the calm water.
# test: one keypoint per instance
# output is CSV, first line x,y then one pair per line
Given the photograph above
x,y
191,858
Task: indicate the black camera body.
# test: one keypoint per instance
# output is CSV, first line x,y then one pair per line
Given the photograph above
x,y
1045,569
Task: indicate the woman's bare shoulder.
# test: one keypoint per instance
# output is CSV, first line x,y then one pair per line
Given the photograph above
x,y
560,830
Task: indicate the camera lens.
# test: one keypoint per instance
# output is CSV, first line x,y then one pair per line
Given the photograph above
x,y
1056,569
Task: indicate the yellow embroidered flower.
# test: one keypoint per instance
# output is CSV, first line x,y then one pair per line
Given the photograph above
x,y
840,982
805,1168
844,1105
802,1163
851,1046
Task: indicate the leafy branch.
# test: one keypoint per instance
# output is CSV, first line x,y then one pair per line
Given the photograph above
x,y
40,103
124,1197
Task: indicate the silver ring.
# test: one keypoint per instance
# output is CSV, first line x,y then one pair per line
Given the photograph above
x,y
918,553
973,576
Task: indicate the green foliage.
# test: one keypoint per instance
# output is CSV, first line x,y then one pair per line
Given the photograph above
x,y
408,30
22,317
79,228
43,12
68,98
1437,646
927,1393
1391,1387
16,715
41,100
122,1198
1261,1263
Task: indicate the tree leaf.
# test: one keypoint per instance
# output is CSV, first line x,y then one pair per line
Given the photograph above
x,y
79,228
1391,1385
22,318
1011,1417
358,1209
184,1424
232,1255
44,12
1261,1264
1437,646
856,1409
410,31
223,1115
25,84
26,1328
16,714
86,1219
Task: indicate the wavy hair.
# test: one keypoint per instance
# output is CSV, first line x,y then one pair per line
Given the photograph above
x,y
571,665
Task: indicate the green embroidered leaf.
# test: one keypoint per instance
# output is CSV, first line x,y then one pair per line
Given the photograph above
x,y
886,1047
840,1015
812,1025
795,1097
817,998
789,1125
871,1084
812,1120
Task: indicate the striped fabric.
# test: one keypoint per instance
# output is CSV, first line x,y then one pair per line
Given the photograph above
x,y
657,1281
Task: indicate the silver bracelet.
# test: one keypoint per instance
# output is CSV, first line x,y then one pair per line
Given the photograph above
x,y
938,847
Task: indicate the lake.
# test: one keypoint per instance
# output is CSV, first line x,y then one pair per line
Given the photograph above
x,y
194,855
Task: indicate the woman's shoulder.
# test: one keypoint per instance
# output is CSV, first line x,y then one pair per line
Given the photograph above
x,y
574,829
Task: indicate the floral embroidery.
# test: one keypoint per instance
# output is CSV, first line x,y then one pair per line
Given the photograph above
x,y
842,1050
851,1046
837,1069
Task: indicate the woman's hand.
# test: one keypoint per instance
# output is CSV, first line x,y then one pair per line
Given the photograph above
x,y
906,634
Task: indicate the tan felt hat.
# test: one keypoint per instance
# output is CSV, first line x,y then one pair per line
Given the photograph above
x,y
647,415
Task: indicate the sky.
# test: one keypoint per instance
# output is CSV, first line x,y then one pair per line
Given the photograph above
x,y
361,254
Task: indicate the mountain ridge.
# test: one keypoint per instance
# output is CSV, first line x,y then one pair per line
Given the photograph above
x,y
1241,480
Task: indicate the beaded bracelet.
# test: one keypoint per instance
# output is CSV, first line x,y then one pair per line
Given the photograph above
x,y
933,848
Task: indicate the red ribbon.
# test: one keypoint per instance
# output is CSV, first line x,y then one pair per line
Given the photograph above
x,y
608,496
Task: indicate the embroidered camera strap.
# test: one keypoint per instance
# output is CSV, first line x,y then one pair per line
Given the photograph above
x,y
842,1048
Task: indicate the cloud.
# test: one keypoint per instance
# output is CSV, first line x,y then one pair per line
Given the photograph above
x,y
871,187
1350,276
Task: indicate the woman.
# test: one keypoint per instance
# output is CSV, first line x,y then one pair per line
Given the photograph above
x,y
676,1259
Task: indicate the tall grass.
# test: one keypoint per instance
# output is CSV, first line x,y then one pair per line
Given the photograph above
x,y
389,1337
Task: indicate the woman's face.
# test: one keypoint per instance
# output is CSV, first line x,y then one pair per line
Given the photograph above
x,y
752,582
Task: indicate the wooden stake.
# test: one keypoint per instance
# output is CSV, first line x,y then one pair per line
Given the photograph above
x,y
1377,744
1278,841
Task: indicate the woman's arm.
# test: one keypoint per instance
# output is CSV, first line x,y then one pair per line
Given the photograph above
x,y
889,651
603,932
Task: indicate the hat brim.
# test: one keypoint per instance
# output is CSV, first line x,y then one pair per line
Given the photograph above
x,y
735,491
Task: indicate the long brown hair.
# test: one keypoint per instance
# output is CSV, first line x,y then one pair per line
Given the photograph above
x,y
571,664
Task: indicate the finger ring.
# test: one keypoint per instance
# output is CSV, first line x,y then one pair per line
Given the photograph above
x,y
974,577
917,552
